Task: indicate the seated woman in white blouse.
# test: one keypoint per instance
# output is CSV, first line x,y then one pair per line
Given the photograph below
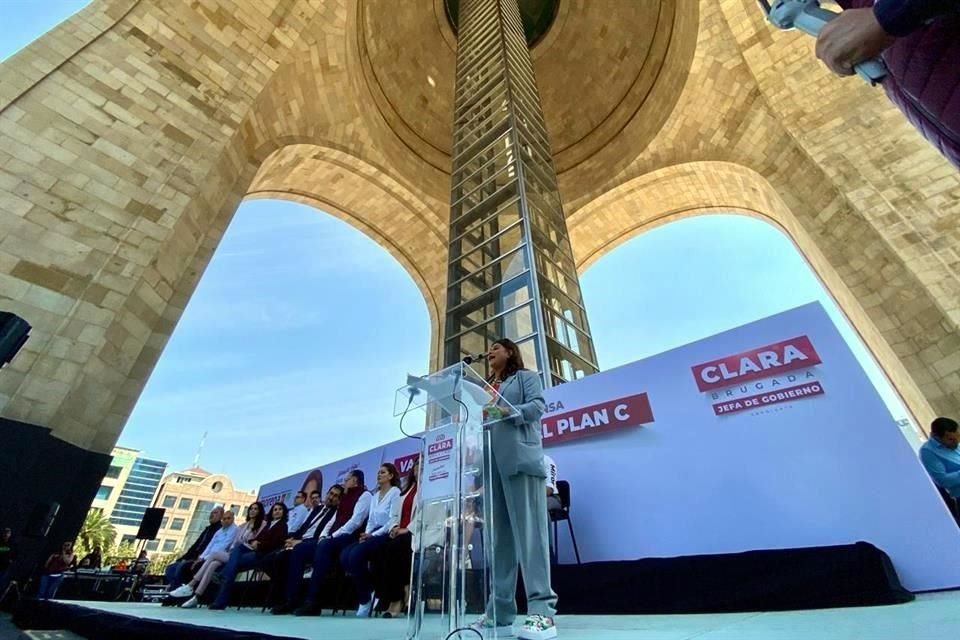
x,y
384,515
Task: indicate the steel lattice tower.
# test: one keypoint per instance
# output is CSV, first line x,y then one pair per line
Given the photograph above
x,y
511,269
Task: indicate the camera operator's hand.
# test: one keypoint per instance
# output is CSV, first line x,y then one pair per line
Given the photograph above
x,y
850,38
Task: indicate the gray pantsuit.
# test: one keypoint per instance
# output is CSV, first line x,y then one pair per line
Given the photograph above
x,y
519,503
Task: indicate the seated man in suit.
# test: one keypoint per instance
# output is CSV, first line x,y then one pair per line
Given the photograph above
x,y
183,569
940,456
341,531
288,563
299,511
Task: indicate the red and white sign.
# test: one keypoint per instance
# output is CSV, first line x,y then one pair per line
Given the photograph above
x,y
405,463
612,415
438,469
773,359
444,444
768,398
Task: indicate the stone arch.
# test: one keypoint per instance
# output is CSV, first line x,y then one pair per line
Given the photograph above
x,y
329,177
130,134
368,199
165,134
700,188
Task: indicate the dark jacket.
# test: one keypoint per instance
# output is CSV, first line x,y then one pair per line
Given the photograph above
x,y
271,538
201,542
91,561
322,514
923,65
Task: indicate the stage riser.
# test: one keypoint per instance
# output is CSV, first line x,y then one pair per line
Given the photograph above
x,y
769,580
842,576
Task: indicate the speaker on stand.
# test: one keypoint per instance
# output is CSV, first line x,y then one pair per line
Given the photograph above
x,y
14,332
150,524
149,527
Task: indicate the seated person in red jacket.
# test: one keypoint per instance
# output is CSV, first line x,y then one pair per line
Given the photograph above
x,y
53,571
249,554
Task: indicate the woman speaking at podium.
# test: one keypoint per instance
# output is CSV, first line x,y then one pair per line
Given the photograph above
x,y
519,502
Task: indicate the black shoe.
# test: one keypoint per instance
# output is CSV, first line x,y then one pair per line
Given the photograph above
x,y
283,609
309,609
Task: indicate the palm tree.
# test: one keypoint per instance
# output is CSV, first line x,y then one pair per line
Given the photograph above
x,y
95,532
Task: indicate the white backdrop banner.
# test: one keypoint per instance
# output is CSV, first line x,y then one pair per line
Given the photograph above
x,y
767,436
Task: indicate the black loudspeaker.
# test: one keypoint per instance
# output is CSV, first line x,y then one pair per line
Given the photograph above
x,y
150,524
14,332
41,519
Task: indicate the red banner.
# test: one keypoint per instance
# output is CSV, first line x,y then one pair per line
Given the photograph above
x,y
770,397
612,415
762,362
405,463
437,447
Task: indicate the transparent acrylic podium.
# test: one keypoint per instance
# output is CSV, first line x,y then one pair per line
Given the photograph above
x,y
453,557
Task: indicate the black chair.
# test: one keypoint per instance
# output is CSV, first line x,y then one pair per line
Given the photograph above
x,y
341,591
251,577
563,491
951,503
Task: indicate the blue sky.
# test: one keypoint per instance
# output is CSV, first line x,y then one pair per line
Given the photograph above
x,y
302,327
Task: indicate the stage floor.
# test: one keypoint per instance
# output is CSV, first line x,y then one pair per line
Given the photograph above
x,y
930,616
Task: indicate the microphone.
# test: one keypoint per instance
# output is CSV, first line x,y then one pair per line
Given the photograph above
x,y
413,386
476,358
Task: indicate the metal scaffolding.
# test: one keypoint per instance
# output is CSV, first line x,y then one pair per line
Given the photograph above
x,y
511,270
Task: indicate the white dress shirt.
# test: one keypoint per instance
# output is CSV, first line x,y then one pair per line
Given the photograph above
x,y
312,531
297,516
384,512
360,511
222,540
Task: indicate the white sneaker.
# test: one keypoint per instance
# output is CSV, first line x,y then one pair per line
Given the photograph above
x,y
183,591
484,626
537,628
191,603
365,609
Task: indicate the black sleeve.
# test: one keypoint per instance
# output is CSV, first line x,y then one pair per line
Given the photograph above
x,y
197,547
903,17
191,553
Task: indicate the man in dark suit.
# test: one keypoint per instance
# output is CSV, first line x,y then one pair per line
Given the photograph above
x,y
284,566
178,571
